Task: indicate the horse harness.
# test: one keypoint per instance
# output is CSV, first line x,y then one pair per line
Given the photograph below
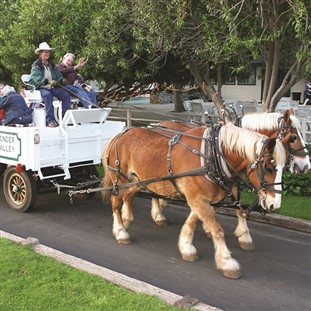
x,y
214,166
282,130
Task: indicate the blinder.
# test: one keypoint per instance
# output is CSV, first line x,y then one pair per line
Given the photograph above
x,y
260,161
282,131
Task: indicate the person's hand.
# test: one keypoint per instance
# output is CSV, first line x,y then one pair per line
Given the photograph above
x,y
81,62
53,82
65,82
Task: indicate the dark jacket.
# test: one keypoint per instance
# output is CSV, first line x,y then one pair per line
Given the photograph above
x,y
15,108
37,74
69,74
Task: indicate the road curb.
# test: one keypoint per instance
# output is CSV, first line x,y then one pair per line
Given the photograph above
x,y
112,276
273,219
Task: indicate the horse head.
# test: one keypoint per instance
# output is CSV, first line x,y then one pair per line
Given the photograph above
x,y
299,157
266,173
274,123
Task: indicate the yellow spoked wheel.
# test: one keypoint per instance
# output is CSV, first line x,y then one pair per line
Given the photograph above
x,y
19,189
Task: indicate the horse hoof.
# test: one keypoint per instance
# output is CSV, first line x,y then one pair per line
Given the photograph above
x,y
161,223
191,258
247,246
125,241
232,274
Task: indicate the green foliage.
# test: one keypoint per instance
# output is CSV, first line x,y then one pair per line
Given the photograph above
x,y
157,41
26,23
297,184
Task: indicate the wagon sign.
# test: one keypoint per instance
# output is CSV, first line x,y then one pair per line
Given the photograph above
x,y
10,146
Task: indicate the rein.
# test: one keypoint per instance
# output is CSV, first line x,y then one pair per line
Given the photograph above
x,y
263,184
212,168
171,177
282,130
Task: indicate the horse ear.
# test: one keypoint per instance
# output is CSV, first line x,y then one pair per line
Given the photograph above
x,y
287,113
271,144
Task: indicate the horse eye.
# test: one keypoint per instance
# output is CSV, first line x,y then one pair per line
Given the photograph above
x,y
269,169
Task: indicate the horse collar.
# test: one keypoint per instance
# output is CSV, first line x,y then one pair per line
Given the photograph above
x,y
214,160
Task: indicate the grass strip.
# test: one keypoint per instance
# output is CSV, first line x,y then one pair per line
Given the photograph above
x,y
292,206
29,281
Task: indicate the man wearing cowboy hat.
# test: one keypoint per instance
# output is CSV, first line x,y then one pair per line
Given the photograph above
x,y
46,78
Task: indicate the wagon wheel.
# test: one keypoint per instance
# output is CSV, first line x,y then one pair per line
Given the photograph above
x,y
20,190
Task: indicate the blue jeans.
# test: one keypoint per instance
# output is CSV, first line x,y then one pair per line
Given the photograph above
x,y
59,93
90,97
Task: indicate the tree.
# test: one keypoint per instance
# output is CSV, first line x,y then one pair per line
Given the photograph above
x,y
138,42
207,36
284,42
26,23
118,54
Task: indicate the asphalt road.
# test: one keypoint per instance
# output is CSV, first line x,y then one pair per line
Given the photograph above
x,y
276,276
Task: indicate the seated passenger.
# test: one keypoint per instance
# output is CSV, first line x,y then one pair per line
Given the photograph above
x,y
14,106
307,97
46,77
76,85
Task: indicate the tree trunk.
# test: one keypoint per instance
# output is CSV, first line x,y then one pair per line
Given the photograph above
x,y
290,79
203,80
219,78
267,54
274,74
178,102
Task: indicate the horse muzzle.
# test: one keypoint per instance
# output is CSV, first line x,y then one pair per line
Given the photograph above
x,y
300,167
270,204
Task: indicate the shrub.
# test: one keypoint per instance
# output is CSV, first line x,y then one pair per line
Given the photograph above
x,y
297,184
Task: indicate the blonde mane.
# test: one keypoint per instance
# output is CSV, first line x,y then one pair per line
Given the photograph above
x,y
261,121
248,143
295,122
266,121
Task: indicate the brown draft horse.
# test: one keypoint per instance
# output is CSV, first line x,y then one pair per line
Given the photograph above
x,y
270,124
140,157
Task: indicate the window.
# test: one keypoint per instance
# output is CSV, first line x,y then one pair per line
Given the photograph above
x,y
230,80
248,78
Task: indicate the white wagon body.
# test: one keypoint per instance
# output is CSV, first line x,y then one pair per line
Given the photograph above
x,y
36,156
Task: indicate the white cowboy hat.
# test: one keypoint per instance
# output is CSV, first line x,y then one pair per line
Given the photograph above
x,y
43,46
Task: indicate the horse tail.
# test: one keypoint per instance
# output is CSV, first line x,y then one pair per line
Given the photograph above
x,y
106,183
107,179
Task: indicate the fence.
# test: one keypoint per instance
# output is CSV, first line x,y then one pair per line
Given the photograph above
x,y
143,117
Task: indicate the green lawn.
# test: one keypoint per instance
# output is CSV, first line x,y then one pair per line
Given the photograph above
x,y
293,206
31,282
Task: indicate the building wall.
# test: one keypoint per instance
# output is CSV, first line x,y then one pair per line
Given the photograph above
x,y
299,87
250,92
243,92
